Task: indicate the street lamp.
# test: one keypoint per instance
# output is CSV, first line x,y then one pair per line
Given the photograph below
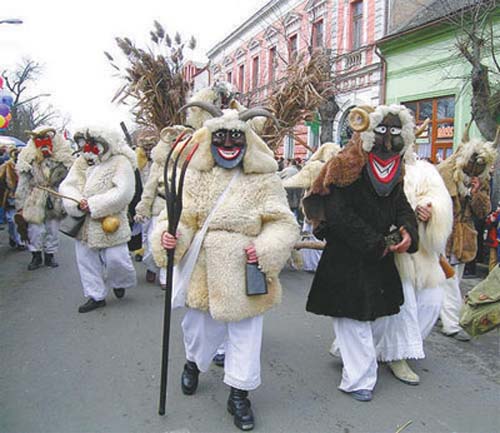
x,y
11,21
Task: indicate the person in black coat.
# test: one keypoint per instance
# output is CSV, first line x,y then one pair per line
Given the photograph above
x,y
361,211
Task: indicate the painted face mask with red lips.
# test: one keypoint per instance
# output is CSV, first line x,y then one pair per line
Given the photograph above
x,y
228,147
45,144
384,165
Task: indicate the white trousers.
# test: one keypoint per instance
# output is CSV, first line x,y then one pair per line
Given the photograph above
x,y
101,269
453,302
356,342
44,237
243,342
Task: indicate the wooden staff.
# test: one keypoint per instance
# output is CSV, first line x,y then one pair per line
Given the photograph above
x,y
55,193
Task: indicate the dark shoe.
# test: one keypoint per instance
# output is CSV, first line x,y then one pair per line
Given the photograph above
x,y
36,261
150,276
90,305
362,394
138,258
119,293
219,359
238,405
12,243
189,378
20,248
49,261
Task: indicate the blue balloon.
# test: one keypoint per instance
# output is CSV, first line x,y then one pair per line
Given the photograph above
x,y
6,98
4,110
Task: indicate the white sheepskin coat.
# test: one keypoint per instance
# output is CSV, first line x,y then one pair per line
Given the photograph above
x,y
305,177
35,170
152,202
423,185
254,210
109,188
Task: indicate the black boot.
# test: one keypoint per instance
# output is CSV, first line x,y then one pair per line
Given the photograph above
x,y
189,378
119,293
90,305
36,261
49,261
239,405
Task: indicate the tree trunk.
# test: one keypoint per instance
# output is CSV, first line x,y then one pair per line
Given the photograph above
x,y
327,112
480,102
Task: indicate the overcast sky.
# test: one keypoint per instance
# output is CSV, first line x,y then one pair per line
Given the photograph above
x,y
69,37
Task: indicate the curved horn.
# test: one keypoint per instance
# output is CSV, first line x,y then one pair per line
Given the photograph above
x,y
257,112
421,129
496,141
465,136
359,119
209,108
30,133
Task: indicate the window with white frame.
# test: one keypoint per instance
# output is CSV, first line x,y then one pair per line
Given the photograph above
x,y
356,25
273,64
241,78
318,30
289,147
293,47
255,72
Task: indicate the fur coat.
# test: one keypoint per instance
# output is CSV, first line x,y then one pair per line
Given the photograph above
x,y
423,185
8,183
109,187
353,278
153,195
463,240
254,210
35,170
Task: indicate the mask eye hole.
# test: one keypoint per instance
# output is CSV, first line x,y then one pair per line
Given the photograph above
x,y
395,130
220,134
380,129
235,134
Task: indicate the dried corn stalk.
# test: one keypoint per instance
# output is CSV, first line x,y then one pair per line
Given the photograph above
x,y
153,84
306,85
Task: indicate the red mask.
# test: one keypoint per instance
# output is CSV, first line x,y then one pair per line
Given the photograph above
x,y
88,147
45,145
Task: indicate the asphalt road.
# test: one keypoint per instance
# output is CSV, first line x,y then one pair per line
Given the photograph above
x,y
65,372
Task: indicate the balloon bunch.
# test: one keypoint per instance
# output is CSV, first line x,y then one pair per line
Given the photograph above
x,y
6,101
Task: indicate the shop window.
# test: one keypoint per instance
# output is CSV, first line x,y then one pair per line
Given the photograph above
x,y
436,143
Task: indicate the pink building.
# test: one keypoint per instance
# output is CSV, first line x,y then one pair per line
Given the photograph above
x,y
254,56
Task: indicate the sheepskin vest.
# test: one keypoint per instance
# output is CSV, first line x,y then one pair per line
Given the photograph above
x,y
8,183
109,188
255,210
464,208
38,205
423,185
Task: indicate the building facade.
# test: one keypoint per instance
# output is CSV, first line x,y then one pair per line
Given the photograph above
x,y
255,55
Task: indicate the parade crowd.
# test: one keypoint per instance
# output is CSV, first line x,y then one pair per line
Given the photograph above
x,y
387,235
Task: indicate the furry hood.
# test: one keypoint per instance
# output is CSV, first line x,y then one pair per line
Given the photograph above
x,y
116,144
407,123
258,157
62,152
305,177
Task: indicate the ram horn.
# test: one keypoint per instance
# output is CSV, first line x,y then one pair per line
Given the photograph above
x,y
421,129
359,118
465,136
257,112
207,106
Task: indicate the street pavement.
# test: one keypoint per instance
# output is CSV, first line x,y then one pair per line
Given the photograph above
x,y
65,372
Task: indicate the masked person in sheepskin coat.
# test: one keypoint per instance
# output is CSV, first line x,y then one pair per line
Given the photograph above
x,y
466,175
356,200
251,224
102,182
44,162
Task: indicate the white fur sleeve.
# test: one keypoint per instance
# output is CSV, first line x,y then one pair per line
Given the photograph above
x,y
279,232
119,196
23,188
149,193
434,234
71,187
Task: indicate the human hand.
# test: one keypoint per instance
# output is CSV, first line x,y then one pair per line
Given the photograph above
x,y
475,184
138,218
403,246
251,254
84,205
168,241
424,213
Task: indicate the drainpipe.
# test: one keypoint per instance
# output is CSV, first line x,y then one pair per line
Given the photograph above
x,y
383,74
